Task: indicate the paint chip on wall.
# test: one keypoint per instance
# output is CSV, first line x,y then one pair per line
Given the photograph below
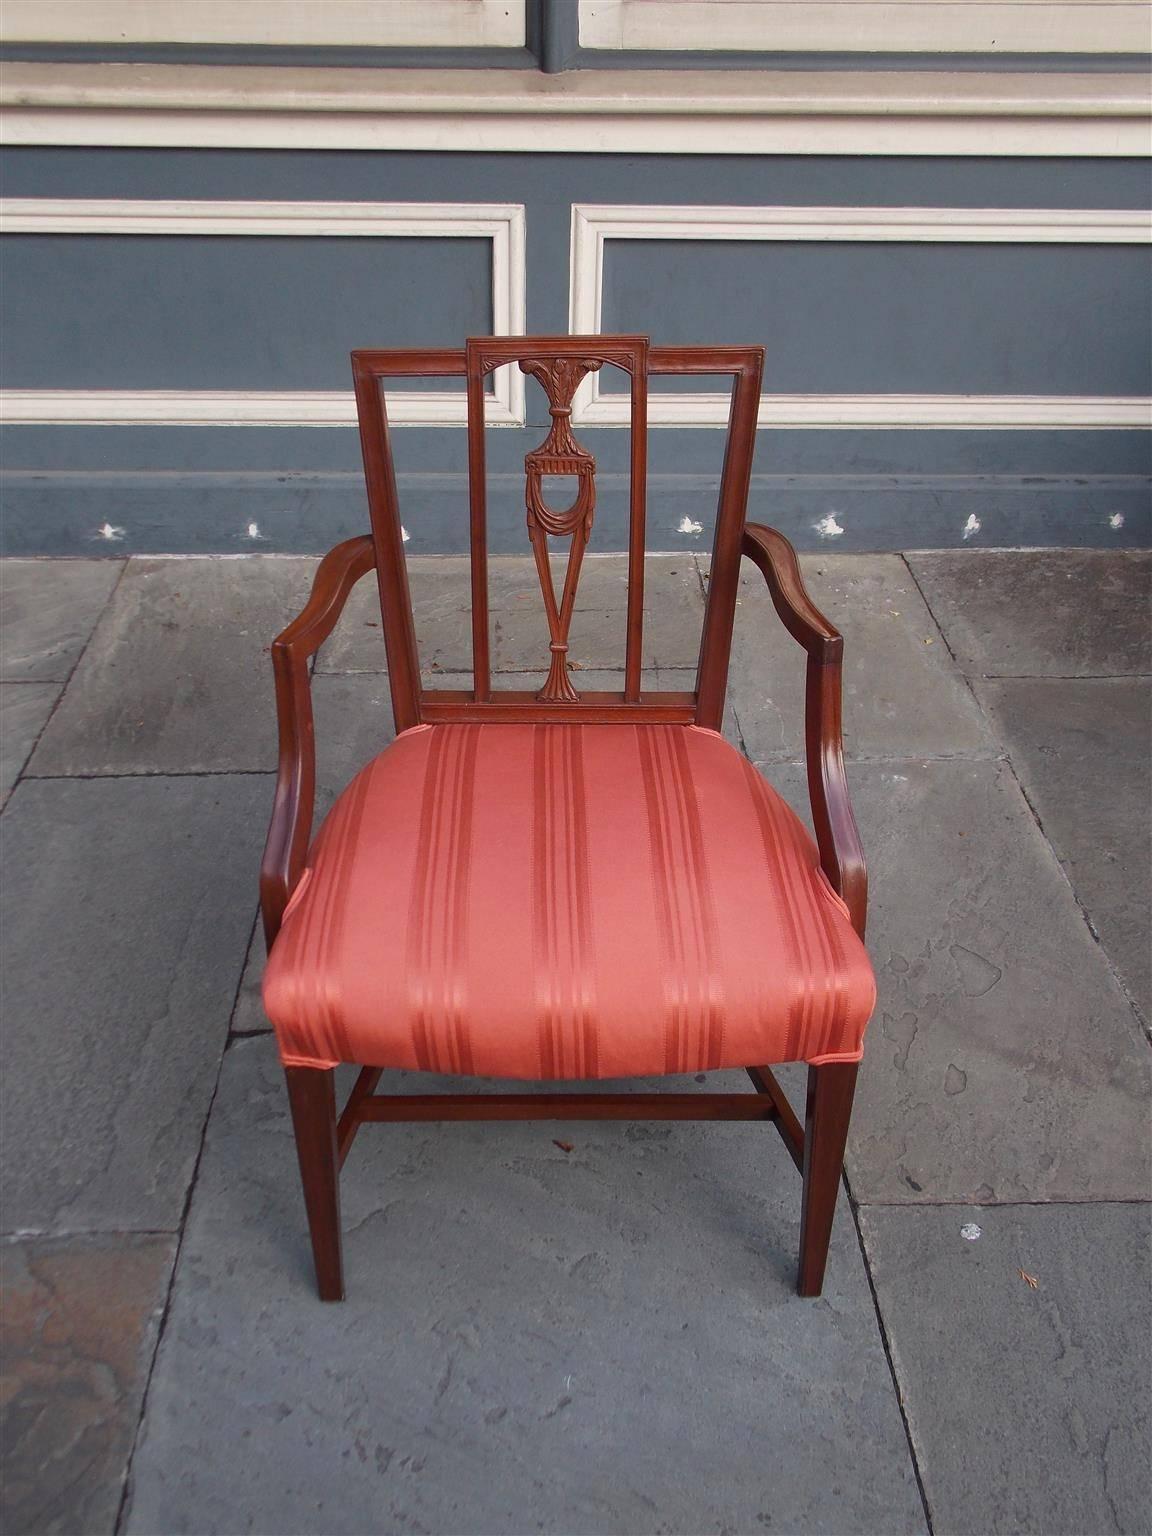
x,y
686,525
828,527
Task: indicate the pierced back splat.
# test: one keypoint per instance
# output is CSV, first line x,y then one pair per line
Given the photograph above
x,y
559,454
558,363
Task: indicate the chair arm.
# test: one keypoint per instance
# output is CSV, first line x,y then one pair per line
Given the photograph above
x,y
292,808
772,552
841,855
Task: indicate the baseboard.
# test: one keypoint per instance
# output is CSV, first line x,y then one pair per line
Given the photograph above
x,y
47,512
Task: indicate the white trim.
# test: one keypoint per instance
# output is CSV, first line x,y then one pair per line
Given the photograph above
x,y
752,112
928,26
115,216
502,223
593,224
344,23
682,221
233,408
971,412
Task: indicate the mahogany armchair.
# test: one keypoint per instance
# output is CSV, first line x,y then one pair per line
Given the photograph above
x,y
562,885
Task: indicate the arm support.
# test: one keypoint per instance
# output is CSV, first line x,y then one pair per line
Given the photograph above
x,y
841,856
291,828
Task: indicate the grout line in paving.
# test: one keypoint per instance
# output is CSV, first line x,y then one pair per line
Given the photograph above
x,y
795,759
1145,1024
83,651
1018,778
940,630
743,745
967,1205
887,1346
1063,677
182,1226
234,1034
317,555
700,577
158,773
44,1234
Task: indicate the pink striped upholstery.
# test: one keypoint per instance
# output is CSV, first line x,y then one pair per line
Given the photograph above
x,y
565,901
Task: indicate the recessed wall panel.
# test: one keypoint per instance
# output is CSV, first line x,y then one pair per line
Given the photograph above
x,y
225,312
848,318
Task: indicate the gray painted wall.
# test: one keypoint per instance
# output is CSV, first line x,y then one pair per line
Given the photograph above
x,y
266,314
227,312
895,318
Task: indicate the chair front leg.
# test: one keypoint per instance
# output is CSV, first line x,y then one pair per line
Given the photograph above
x,y
312,1095
828,1111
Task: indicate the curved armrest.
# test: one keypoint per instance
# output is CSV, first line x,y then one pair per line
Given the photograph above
x,y
841,856
772,552
291,827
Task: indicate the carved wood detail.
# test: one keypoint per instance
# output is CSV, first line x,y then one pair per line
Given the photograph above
x,y
559,454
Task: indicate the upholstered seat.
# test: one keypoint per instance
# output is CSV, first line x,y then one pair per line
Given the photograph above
x,y
565,901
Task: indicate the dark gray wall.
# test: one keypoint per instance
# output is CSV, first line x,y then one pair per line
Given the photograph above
x,y
267,314
227,312
897,318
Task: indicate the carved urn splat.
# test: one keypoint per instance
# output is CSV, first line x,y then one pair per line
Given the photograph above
x,y
559,454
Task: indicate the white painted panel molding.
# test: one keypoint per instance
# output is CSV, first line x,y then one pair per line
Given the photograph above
x,y
692,112
284,23
870,26
960,412
502,223
593,225
233,408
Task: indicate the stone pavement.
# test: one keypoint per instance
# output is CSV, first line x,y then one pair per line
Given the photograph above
x,y
602,1340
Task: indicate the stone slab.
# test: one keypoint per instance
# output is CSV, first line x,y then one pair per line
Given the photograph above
x,y
126,908
1003,1062
903,696
1082,748
600,1340
357,642
441,604
1042,613
79,1329
177,676
1029,1408
48,609
24,707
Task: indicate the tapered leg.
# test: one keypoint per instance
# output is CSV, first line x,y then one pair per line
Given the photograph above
x,y
826,1117
312,1095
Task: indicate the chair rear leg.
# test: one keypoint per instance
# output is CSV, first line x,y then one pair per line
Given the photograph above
x,y
828,1111
312,1095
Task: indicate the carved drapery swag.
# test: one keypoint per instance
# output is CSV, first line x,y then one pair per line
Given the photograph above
x,y
559,454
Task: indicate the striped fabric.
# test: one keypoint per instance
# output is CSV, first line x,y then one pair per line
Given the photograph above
x,y
565,901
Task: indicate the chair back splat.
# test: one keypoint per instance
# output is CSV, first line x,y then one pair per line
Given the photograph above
x,y
559,364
